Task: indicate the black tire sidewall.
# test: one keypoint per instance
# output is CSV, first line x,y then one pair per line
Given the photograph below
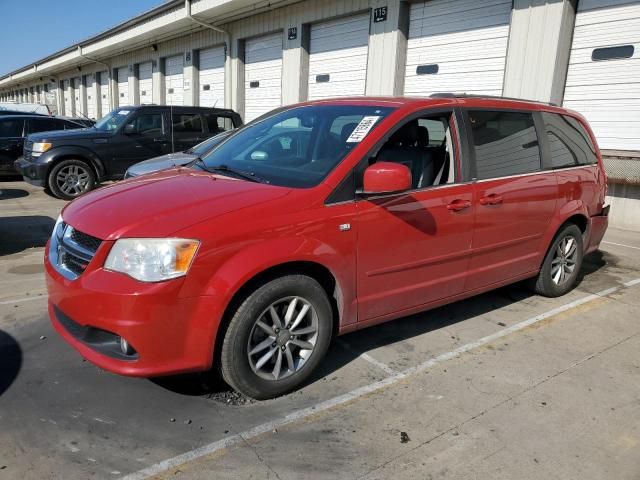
x,y
51,180
234,362
545,285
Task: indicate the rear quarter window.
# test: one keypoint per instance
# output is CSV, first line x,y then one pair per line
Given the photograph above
x,y
569,143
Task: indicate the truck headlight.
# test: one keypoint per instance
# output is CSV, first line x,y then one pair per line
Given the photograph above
x,y
39,148
152,259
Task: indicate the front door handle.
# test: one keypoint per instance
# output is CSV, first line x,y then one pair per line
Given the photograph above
x,y
161,140
458,205
493,199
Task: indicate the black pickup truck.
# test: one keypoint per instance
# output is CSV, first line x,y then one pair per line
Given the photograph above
x,y
73,162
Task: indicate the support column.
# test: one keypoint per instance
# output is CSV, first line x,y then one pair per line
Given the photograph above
x,y
158,81
539,48
295,63
190,79
134,82
388,49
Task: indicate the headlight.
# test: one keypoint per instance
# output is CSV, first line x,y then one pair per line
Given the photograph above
x,y
39,148
152,259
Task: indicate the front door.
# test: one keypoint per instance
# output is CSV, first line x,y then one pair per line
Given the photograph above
x,y
515,199
148,139
414,247
11,143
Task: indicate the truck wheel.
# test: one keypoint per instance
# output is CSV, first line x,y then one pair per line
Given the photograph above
x,y
277,337
71,178
562,264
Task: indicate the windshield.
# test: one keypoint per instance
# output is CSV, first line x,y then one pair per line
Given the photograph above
x,y
208,144
297,147
111,121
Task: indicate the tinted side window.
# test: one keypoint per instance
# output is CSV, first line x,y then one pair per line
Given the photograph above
x,y
217,124
44,125
148,124
505,143
569,143
11,128
183,122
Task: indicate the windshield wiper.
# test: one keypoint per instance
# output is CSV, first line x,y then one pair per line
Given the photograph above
x,y
250,176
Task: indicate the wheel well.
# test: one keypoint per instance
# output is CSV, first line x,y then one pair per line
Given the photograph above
x,y
314,270
579,220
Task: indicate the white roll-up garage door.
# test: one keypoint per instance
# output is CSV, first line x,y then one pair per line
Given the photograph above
x,y
91,95
77,104
338,52
68,101
174,80
263,75
457,46
105,104
211,79
123,86
603,81
145,83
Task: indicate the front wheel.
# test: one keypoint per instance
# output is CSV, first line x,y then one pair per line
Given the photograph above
x,y
71,178
562,263
277,337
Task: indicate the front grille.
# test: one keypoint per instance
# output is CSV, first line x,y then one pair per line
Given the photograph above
x,y
28,148
71,251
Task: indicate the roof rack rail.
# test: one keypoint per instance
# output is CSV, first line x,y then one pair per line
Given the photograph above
x,y
473,95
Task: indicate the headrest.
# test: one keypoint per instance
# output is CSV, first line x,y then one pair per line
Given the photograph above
x,y
423,136
407,136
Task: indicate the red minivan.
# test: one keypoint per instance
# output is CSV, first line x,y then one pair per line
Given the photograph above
x,y
320,219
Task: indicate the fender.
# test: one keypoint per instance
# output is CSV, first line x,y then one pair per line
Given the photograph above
x,y
568,210
62,151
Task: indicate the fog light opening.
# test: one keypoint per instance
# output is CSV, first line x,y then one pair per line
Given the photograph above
x,y
125,348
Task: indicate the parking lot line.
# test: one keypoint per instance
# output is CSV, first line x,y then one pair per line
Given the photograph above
x,y
339,400
620,245
368,358
21,300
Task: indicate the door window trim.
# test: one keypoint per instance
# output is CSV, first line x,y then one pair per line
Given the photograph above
x,y
460,151
537,123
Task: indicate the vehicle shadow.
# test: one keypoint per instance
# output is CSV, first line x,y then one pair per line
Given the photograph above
x,y
349,347
23,232
10,361
12,193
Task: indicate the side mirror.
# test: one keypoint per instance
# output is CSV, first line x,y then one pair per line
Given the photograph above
x,y
386,177
129,129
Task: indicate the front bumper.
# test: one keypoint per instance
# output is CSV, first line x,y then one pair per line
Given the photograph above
x,y
33,173
170,334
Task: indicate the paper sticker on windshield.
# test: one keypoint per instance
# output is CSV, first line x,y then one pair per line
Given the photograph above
x,y
365,125
123,112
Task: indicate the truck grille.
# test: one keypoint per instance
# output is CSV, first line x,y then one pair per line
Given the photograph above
x,y
70,250
28,148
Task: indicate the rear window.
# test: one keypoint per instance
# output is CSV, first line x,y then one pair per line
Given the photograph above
x,y
11,128
505,143
569,143
45,125
183,122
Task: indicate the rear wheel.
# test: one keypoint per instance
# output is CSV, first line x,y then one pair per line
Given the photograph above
x,y
277,337
562,263
71,178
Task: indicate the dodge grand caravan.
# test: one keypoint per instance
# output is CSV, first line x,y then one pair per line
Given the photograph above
x,y
323,218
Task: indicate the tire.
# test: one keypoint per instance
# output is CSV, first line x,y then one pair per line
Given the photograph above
x,y
69,179
555,282
244,370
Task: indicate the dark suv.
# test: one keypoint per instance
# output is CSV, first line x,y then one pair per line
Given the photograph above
x,y
72,163
14,128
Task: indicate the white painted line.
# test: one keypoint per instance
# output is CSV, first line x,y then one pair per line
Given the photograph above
x,y
621,245
368,358
358,392
22,300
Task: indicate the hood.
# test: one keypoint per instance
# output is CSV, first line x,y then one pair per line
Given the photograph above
x,y
161,204
63,135
160,163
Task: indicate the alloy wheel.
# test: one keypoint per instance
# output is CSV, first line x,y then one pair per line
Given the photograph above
x,y
73,180
283,338
564,260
